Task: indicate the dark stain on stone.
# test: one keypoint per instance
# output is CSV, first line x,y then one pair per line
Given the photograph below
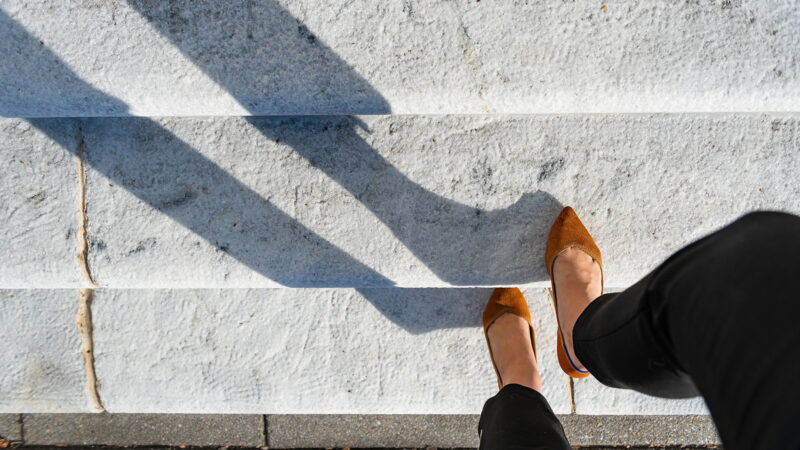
x,y
181,199
223,247
37,198
408,8
96,245
304,32
142,246
69,234
550,169
483,176
175,22
621,177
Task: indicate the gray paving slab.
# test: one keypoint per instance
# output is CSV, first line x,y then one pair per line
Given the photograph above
x,y
644,430
41,363
417,201
364,431
39,204
10,427
651,447
626,447
416,56
111,447
300,431
144,429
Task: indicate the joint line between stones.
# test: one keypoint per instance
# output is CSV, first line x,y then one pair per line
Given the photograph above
x,y
83,241
84,320
571,389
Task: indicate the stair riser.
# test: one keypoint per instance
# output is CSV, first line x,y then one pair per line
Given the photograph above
x,y
287,351
414,201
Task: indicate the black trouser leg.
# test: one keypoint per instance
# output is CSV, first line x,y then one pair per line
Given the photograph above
x,y
718,318
520,418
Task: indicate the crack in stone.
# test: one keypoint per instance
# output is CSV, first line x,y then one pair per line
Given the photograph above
x,y
571,389
83,242
84,321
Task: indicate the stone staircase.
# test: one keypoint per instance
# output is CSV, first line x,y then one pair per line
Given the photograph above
x,y
301,208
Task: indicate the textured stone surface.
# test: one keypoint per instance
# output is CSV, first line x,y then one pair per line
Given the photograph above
x,y
281,57
624,430
10,427
145,429
460,431
38,204
371,201
42,366
372,431
417,201
381,351
591,397
347,430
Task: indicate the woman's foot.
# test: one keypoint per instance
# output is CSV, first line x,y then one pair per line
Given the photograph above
x,y
578,281
510,340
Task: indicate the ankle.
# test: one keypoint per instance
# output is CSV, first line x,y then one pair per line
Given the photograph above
x,y
524,375
570,345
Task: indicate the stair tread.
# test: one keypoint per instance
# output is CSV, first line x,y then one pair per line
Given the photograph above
x,y
306,57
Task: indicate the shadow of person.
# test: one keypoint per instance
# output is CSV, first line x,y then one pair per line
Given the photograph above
x,y
186,188
461,244
263,56
281,66
34,82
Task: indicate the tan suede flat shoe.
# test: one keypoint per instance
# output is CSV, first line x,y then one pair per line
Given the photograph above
x,y
505,300
568,231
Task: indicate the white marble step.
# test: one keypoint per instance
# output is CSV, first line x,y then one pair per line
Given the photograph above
x,y
416,56
39,205
376,201
309,351
42,365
